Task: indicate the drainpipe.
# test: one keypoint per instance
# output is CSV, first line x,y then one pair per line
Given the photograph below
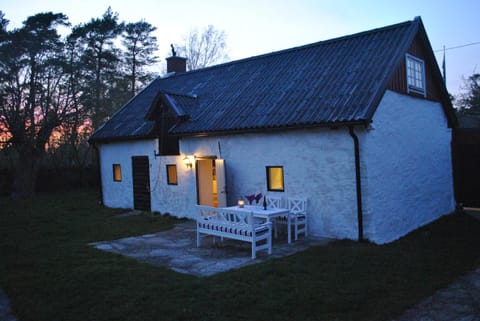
x,y
358,179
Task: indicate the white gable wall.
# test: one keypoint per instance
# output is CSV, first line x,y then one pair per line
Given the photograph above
x,y
407,167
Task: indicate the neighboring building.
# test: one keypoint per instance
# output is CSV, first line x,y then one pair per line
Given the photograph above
x,y
466,159
360,125
469,121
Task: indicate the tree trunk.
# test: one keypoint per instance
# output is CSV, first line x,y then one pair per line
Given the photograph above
x,y
25,174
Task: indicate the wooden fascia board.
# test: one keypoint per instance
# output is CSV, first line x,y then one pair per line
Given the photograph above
x,y
398,61
437,76
364,123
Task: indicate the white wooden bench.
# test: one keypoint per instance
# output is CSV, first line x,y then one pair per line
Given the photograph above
x,y
234,224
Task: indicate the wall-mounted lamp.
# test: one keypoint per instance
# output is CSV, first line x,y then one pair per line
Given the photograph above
x,y
187,161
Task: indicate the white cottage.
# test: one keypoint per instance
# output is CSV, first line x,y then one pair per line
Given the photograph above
x,y
360,125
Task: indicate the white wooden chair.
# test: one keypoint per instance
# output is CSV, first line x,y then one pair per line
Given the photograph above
x,y
298,215
274,201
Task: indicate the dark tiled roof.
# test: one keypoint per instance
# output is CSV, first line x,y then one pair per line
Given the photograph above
x,y
326,83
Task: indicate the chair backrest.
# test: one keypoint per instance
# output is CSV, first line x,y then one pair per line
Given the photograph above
x,y
274,201
297,205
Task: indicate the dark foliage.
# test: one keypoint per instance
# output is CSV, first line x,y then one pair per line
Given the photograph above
x,y
469,101
55,90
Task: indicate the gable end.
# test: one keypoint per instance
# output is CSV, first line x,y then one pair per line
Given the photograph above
x,y
435,89
166,116
398,82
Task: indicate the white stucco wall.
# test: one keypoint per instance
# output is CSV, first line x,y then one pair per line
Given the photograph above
x,y
318,164
173,199
120,194
406,167
178,200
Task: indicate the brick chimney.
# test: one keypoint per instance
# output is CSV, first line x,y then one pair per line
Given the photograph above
x,y
175,63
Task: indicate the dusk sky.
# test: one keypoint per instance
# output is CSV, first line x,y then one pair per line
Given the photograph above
x,y
256,27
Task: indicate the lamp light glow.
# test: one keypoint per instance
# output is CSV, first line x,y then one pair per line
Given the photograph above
x,y
187,161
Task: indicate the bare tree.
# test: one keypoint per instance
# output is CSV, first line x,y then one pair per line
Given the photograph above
x,y
469,100
34,92
3,25
204,47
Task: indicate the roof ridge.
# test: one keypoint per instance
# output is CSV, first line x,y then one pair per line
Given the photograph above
x,y
302,47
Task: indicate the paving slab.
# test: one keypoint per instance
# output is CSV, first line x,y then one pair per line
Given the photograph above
x,y
176,249
129,213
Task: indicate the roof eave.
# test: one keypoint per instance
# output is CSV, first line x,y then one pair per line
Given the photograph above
x,y
362,122
115,139
444,95
398,61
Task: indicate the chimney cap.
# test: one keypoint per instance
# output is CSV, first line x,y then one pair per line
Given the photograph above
x,y
176,58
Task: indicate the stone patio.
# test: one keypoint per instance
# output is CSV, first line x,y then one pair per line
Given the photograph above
x,y
177,250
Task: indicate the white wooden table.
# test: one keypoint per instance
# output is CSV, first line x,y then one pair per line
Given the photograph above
x,y
269,214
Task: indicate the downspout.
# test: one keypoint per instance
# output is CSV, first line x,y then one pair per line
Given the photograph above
x,y
358,179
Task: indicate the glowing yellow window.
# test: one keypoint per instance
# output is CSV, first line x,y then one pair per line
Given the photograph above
x,y
117,173
172,175
275,178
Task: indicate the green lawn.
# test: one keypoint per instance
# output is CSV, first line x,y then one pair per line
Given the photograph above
x,y
50,273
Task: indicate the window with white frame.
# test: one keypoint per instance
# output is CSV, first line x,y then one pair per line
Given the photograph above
x,y
415,75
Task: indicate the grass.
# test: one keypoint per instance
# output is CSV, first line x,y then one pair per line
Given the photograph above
x,y
50,273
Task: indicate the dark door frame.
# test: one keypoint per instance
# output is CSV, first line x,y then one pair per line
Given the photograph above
x,y
141,183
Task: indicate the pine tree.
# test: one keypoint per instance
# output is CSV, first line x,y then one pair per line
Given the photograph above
x,y
140,46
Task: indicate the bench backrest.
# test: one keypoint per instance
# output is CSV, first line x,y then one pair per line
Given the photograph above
x,y
205,213
238,219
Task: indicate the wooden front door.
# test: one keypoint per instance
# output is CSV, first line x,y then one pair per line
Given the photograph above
x,y
141,183
221,183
